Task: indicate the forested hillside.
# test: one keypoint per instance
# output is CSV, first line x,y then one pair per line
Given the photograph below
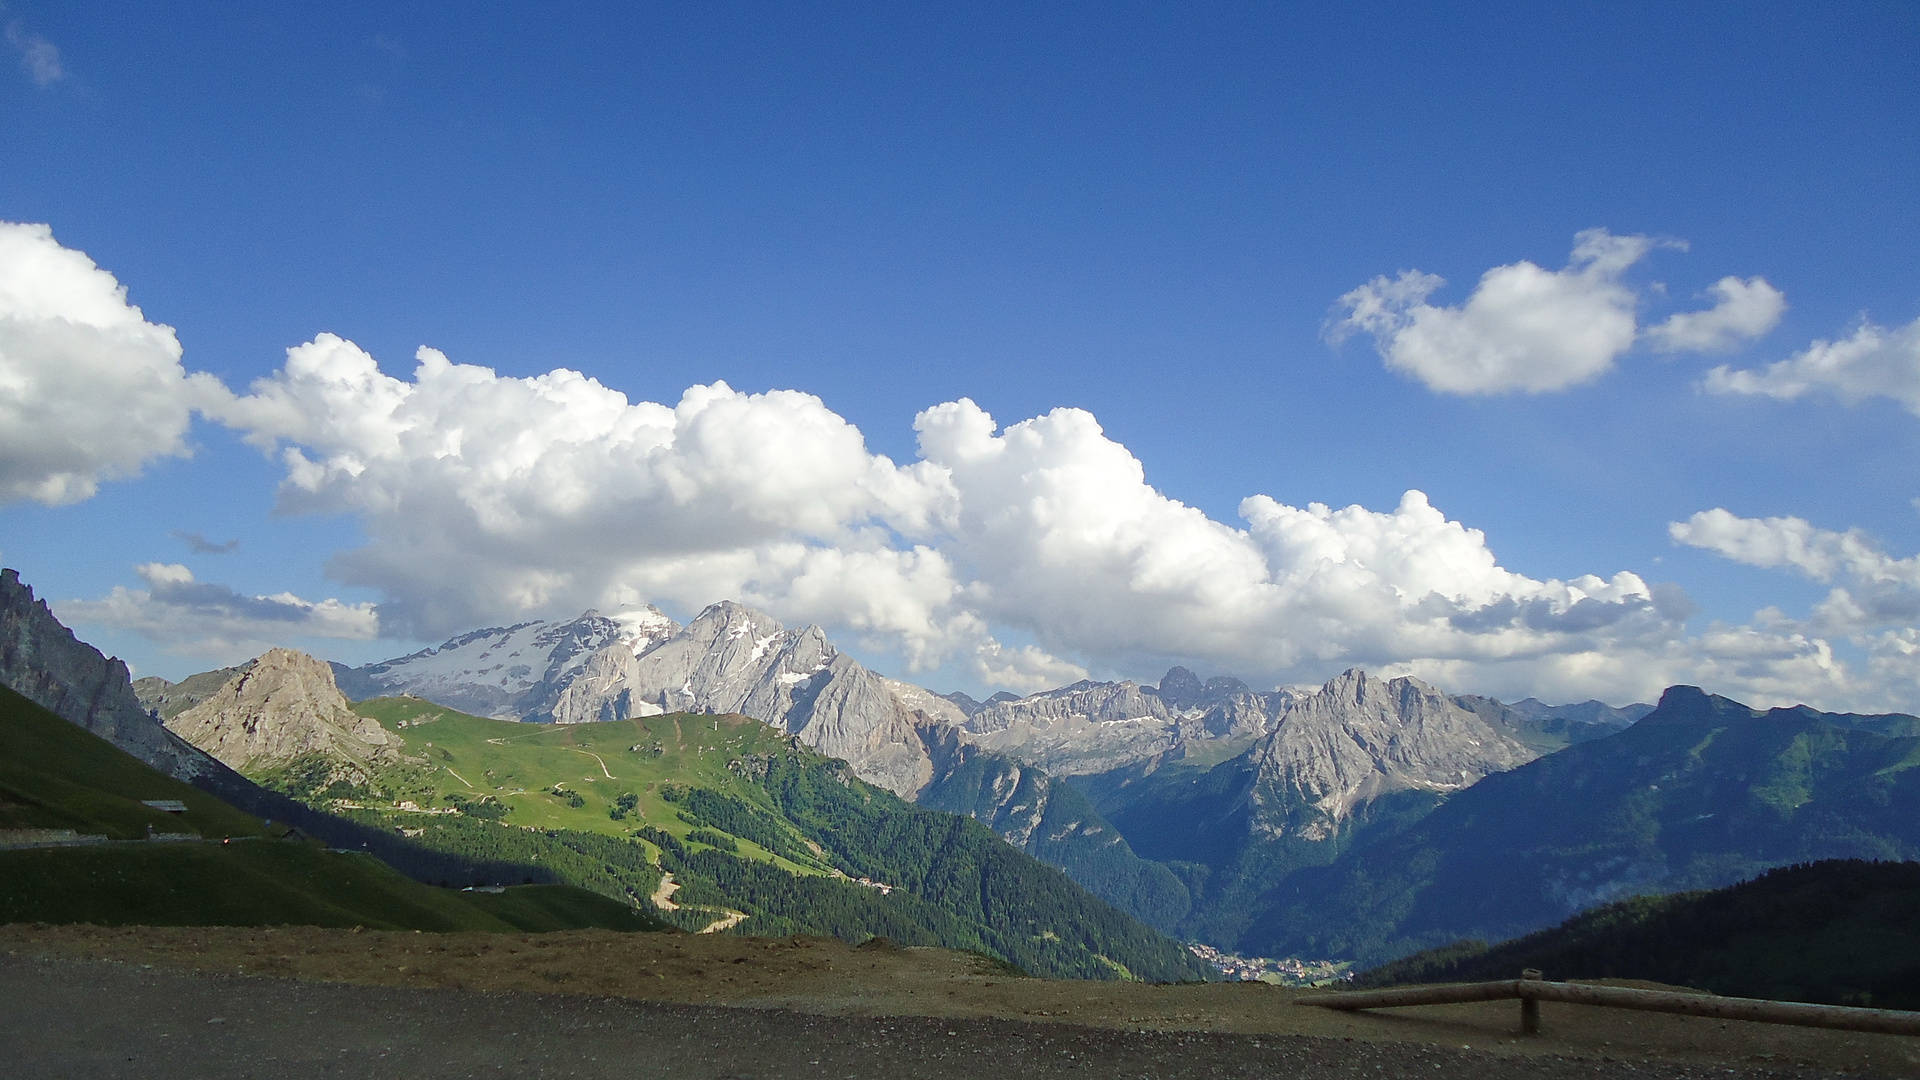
x,y
1701,793
1842,932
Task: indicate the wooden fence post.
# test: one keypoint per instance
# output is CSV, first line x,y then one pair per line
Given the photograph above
x,y
1530,1005
1530,987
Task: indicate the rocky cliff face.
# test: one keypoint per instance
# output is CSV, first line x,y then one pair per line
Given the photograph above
x,y
1359,738
733,659
1096,727
282,707
170,699
42,661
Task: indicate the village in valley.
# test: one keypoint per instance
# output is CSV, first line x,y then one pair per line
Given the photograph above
x,y
1288,971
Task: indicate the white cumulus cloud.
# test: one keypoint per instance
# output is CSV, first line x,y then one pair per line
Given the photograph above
x,y
1820,554
1871,362
1876,590
1524,328
1743,311
89,390
1533,330
215,622
1031,554
1063,538
486,497
1874,605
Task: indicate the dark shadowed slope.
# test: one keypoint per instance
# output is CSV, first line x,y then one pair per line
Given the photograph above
x,y
1842,932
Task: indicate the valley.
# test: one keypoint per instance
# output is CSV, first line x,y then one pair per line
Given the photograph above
x,y
1297,824
1327,829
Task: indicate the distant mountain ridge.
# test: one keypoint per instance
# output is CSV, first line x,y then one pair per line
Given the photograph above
x,y
516,672
1700,793
730,659
1004,760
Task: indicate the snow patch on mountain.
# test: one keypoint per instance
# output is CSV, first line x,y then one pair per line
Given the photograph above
x,y
514,672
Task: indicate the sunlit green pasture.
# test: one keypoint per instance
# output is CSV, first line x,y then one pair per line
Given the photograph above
x,y
541,770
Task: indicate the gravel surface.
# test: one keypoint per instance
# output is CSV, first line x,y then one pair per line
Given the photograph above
x,y
63,1017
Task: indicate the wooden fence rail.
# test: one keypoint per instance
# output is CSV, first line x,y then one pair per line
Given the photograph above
x,y
1531,989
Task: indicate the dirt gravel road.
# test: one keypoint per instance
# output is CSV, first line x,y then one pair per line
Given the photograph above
x,y
172,1003
101,1019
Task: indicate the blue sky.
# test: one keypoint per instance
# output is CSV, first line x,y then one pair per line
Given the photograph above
x,y
1149,213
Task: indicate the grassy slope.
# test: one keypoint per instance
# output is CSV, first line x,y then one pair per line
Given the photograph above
x,y
519,765
746,821
1842,932
265,883
56,775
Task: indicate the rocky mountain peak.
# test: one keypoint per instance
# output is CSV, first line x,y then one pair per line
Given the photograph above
x,y
42,661
1181,689
964,702
1359,738
1223,686
169,699
729,659
512,672
281,707
734,659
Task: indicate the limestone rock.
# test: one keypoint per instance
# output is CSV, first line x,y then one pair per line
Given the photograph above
x,y
283,706
1359,738
170,699
42,661
733,659
1095,727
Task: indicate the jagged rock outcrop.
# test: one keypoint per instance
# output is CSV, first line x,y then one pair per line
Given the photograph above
x,y
1096,727
928,708
733,659
42,661
1088,727
169,699
282,707
1359,738
515,672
